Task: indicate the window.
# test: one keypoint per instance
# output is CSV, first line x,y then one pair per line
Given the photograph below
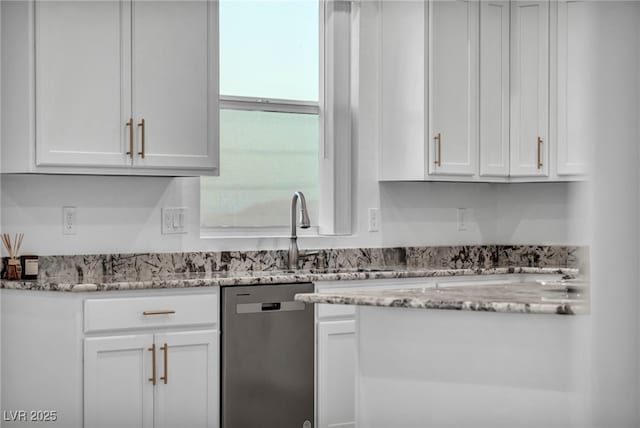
x,y
269,118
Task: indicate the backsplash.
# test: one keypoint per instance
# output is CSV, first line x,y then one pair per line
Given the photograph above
x,y
149,265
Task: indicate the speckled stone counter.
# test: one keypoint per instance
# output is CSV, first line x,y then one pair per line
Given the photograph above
x,y
517,297
104,272
237,278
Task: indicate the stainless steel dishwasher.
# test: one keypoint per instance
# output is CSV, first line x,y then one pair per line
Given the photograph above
x,y
267,357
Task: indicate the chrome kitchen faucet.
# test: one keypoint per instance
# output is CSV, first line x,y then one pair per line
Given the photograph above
x,y
294,254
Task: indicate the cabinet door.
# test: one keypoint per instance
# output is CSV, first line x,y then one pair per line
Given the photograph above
x,y
175,83
453,87
403,83
529,88
117,389
336,374
187,394
574,48
494,88
82,83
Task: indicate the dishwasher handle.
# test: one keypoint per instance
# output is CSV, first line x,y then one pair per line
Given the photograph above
x,y
252,308
275,306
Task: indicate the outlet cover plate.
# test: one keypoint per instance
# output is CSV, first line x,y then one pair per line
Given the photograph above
x,y
463,219
374,219
69,221
174,220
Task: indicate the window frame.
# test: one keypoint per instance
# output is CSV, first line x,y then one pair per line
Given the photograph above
x,y
334,113
273,105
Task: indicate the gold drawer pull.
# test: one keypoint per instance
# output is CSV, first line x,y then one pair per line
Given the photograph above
x,y
130,125
141,152
152,379
165,350
160,312
539,152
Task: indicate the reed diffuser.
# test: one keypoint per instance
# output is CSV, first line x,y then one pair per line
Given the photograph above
x,y
13,268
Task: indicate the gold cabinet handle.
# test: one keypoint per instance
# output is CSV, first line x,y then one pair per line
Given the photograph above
x,y
438,160
141,152
152,379
539,152
165,350
130,125
160,312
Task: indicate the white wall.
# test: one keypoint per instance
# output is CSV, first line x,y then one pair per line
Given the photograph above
x,y
122,214
615,252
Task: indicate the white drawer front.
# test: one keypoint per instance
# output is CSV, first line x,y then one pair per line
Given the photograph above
x,y
143,312
336,311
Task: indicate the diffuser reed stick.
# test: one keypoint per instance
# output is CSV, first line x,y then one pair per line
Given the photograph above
x,y
13,268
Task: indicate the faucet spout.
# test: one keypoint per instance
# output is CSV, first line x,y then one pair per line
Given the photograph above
x,y
304,224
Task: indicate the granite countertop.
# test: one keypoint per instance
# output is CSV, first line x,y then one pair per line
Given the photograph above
x,y
518,297
238,278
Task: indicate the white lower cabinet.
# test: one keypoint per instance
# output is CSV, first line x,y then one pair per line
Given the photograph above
x,y
167,380
336,373
153,375
125,359
187,392
117,391
336,352
338,345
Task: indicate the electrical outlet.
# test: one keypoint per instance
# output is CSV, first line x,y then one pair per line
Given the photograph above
x,y
173,220
69,220
462,219
374,220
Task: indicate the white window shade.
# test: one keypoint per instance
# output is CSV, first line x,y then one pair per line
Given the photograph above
x,y
264,157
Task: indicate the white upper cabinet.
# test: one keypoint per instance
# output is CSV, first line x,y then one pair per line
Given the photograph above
x,y
82,83
505,96
494,88
529,88
120,87
403,84
453,87
573,86
175,83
